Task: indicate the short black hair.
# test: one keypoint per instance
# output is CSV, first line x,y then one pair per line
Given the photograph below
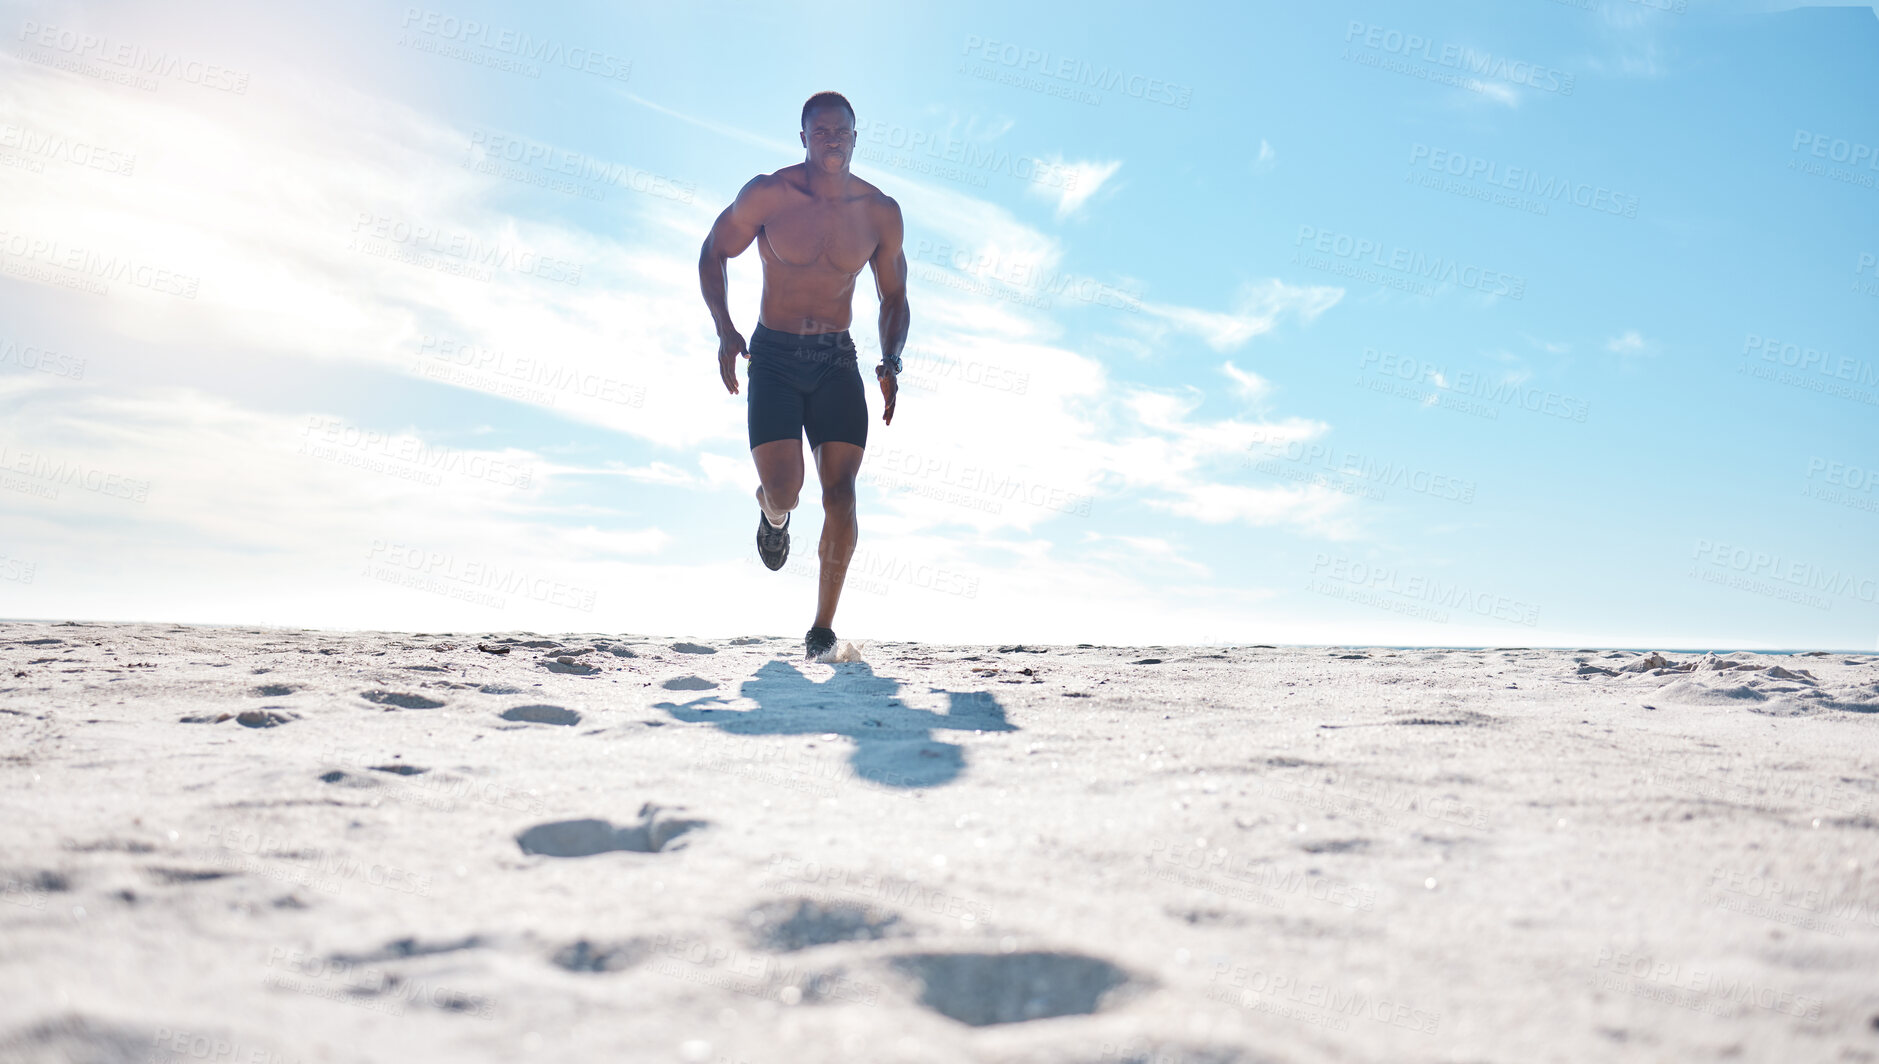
x,y
826,99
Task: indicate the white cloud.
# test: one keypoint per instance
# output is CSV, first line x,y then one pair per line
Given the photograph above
x,y
1629,343
1268,159
1501,94
1257,309
1250,386
1072,184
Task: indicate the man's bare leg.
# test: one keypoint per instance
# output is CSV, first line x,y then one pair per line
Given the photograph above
x,y
837,464
780,473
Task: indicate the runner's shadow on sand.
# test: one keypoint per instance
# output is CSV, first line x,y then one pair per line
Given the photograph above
x,y
894,743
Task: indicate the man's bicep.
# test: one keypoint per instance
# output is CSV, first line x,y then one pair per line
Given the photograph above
x,y
890,258
738,225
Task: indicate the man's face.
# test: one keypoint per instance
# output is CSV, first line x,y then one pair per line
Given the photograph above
x,y
829,135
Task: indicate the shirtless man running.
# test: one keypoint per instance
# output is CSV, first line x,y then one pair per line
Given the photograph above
x,y
815,225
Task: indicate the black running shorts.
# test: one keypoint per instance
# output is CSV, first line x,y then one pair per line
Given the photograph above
x,y
806,383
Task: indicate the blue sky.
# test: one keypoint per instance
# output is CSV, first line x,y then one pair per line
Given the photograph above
x,y
1486,323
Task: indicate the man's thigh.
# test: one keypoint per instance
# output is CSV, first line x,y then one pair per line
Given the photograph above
x,y
838,464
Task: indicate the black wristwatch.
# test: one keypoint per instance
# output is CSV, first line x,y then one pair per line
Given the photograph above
x,y
893,364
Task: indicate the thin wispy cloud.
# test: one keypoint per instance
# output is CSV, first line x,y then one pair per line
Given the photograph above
x,y
1246,384
1073,184
1629,343
1257,308
1267,160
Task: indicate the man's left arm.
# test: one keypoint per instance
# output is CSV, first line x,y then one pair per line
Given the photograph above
x,y
890,283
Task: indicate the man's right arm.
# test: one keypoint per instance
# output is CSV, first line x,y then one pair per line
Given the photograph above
x,y
729,236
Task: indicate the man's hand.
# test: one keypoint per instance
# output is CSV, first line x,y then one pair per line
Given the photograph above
x,y
730,345
890,390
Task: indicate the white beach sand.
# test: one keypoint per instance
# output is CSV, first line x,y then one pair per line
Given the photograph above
x,y
946,853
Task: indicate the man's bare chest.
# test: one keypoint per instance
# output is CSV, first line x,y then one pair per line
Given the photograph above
x,y
838,237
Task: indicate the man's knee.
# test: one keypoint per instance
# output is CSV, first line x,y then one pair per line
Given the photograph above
x,y
783,496
838,497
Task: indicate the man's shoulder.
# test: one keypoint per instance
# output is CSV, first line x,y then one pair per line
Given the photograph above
x,y
875,198
773,183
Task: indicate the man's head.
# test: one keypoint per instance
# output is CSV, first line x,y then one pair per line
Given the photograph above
x,y
828,131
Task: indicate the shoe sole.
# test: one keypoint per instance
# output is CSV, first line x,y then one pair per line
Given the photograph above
x,y
762,523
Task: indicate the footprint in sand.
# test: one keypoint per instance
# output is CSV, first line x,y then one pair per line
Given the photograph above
x,y
542,715
400,769
395,700
404,948
348,779
274,690
693,648
689,683
1336,846
265,718
175,876
570,666
583,838
981,989
585,956
799,923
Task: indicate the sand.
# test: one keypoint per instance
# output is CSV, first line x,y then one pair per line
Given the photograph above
x,y
231,844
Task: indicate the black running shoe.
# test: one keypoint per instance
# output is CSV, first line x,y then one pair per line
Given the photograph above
x,y
772,542
818,642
